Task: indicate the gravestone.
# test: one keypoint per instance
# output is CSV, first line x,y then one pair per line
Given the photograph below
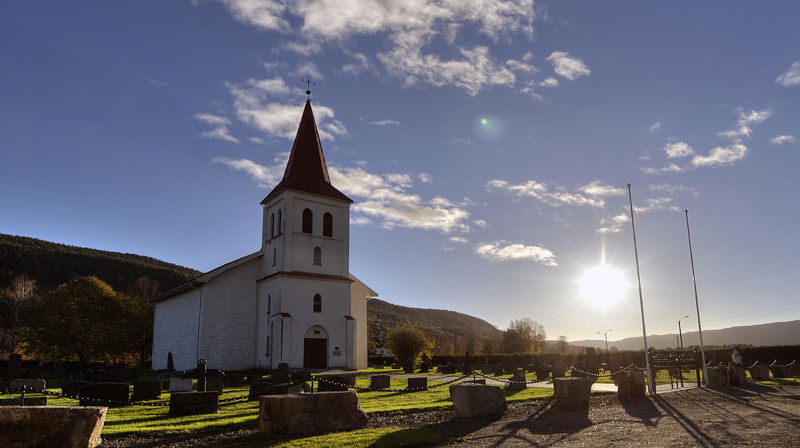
x,y
449,369
301,376
417,383
28,383
51,426
333,383
321,412
794,369
425,365
739,376
379,366
170,363
180,385
736,356
254,378
630,385
214,384
233,380
29,401
379,382
105,394
517,381
759,372
717,376
467,364
486,370
543,373
281,374
476,400
193,403
146,390
395,366
74,389
572,392
14,366
498,369
779,371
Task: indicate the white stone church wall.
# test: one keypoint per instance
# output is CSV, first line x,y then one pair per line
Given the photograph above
x,y
175,327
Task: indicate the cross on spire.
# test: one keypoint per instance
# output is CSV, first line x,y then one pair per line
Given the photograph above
x,y
308,86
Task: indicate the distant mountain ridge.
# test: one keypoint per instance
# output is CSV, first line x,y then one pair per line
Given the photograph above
x,y
52,264
775,333
452,331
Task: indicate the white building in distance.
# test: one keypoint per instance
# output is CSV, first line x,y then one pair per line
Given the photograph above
x,y
293,301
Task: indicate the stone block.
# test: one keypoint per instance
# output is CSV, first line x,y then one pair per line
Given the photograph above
x,y
266,388
193,403
379,382
233,380
105,394
51,426
28,384
717,376
475,400
572,392
518,381
449,369
333,383
29,401
74,389
180,385
214,384
630,385
779,371
321,412
417,383
759,372
794,369
146,390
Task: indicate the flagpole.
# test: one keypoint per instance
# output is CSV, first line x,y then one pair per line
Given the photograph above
x,y
696,303
650,379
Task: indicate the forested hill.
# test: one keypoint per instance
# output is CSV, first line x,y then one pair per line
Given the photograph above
x,y
453,332
52,264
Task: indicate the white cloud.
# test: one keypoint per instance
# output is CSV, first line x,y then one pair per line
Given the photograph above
x,y
481,223
674,189
156,82
613,224
549,83
265,176
211,119
520,66
568,67
221,133
425,178
781,139
361,63
670,168
596,188
721,155
654,127
261,103
459,239
256,140
790,77
308,69
504,251
678,149
360,220
261,13
653,204
385,123
742,129
542,191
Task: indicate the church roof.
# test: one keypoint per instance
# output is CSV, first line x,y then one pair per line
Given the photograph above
x,y
306,170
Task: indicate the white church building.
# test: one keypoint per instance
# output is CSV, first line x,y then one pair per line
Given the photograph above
x,y
293,301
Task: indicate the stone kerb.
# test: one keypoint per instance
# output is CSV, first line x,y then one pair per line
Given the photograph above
x,y
28,383
180,385
320,412
51,426
717,376
779,371
572,392
379,382
759,372
475,400
193,403
146,390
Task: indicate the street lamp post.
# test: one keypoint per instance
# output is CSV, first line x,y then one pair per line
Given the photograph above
x,y
608,355
680,333
651,385
696,303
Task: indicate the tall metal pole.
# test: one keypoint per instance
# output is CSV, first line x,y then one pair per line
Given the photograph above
x,y
680,334
696,303
650,383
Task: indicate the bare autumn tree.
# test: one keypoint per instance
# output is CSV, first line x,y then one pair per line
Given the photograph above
x,y
523,336
15,302
563,341
142,289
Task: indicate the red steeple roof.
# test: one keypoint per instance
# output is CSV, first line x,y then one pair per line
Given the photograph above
x,y
306,170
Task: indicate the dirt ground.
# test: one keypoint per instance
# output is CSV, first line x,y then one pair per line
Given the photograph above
x,y
747,416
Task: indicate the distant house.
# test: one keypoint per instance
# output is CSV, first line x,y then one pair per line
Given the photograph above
x,y
293,301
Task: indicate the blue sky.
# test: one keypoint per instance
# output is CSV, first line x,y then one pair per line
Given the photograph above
x,y
487,144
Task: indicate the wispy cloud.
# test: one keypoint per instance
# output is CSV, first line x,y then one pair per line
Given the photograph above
x,y
678,149
505,251
211,119
790,77
613,224
654,127
567,66
781,139
653,204
721,155
220,124
548,83
156,82
459,239
591,194
385,123
742,129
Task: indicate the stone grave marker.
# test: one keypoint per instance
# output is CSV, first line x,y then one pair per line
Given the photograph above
x,y
233,380
105,394
759,372
193,403
281,374
572,392
29,401
146,390
518,381
214,384
28,383
449,369
630,385
74,389
379,382
476,400
418,383
333,383
779,371
717,376
180,385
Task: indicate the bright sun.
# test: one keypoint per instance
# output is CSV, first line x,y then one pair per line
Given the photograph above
x,y
603,285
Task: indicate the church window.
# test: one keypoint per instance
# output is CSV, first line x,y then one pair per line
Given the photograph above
x,y
317,303
272,225
279,221
317,256
274,256
308,219
327,224
269,304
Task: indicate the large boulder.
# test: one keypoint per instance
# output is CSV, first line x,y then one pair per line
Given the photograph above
x,y
475,400
759,372
51,426
320,412
630,385
717,376
572,392
779,371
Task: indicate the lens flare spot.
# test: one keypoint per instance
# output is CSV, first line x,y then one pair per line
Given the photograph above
x,y
484,121
603,285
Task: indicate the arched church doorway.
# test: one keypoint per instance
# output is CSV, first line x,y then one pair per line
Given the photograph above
x,y
315,348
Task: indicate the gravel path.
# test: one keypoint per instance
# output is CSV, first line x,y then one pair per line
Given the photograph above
x,y
750,416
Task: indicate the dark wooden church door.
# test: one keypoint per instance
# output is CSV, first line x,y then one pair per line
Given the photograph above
x,y
314,351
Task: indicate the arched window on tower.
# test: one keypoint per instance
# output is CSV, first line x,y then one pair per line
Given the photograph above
x,y
279,221
317,256
327,224
308,219
272,225
317,303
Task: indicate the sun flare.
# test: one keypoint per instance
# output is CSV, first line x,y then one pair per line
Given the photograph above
x,y
603,285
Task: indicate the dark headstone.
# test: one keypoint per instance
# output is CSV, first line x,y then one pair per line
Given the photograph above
x,y
254,378
233,380
14,366
498,369
193,403
29,384
418,383
104,394
300,377
518,381
264,388
214,383
29,401
333,383
379,382
146,390
202,375
486,370
281,374
542,373
74,389
480,381
449,369
779,371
